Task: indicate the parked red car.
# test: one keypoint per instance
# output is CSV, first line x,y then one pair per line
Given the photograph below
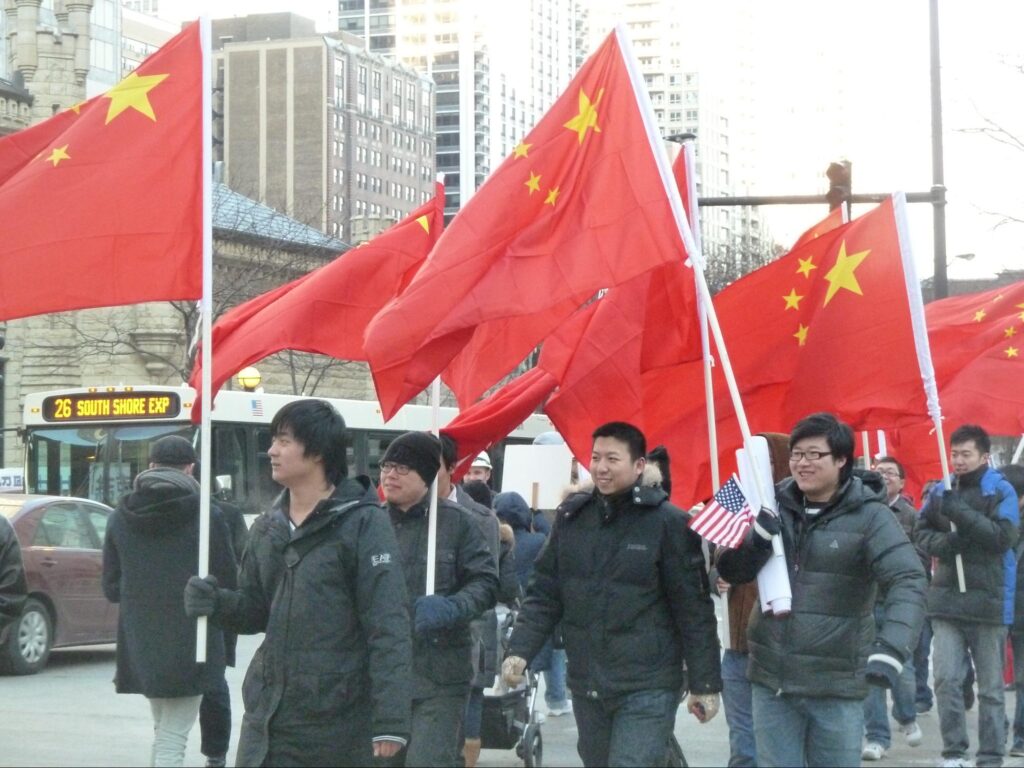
x,y
62,545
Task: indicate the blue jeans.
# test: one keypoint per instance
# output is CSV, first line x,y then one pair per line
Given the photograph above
x,y
806,730
876,720
554,679
924,649
987,644
736,702
1017,636
627,730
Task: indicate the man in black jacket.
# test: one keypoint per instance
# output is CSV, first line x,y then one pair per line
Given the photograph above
x,y
466,580
626,577
809,669
12,578
320,575
150,549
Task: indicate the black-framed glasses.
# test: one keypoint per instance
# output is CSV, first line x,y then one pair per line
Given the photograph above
x,y
391,466
796,456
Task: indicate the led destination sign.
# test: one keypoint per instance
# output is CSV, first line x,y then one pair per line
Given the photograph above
x,y
112,406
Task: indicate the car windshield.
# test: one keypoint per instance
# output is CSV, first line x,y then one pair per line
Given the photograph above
x,y
9,507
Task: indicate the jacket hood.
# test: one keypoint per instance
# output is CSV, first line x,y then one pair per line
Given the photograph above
x,y
863,486
512,508
163,499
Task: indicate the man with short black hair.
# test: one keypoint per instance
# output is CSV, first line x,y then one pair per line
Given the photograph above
x,y
466,581
977,519
810,669
626,578
320,576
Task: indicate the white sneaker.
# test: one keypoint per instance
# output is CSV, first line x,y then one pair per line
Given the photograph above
x,y
565,709
539,718
956,762
913,733
872,751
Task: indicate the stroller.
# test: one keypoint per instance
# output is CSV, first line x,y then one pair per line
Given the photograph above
x,y
510,716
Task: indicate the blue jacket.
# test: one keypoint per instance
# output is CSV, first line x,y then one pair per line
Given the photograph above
x,y
983,506
513,509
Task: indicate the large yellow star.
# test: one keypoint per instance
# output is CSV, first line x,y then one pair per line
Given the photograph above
x,y
792,300
806,265
133,93
587,118
552,196
842,273
1010,332
1011,352
522,149
801,334
533,184
58,154
979,315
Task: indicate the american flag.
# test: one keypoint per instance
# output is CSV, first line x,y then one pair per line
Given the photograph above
x,y
257,407
726,519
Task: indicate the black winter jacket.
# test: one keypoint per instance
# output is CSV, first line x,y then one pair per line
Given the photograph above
x,y
466,571
12,576
835,559
985,507
150,549
333,670
626,577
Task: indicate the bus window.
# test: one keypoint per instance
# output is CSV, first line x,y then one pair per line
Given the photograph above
x,y
376,444
264,489
228,469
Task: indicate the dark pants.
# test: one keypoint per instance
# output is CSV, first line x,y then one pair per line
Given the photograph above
x,y
627,730
1017,636
215,719
923,651
436,723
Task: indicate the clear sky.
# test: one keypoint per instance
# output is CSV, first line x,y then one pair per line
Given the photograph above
x,y
852,80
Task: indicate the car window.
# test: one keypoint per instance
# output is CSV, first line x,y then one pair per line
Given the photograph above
x,y
98,520
62,526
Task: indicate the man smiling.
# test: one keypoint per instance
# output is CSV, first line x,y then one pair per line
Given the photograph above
x,y
809,669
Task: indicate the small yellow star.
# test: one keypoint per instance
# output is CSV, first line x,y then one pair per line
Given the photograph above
x,y
587,118
133,93
522,149
58,154
534,182
801,334
1011,352
805,267
552,196
1010,332
1021,317
792,300
979,315
424,222
77,108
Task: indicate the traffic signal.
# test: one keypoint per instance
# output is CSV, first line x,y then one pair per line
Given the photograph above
x,y
840,183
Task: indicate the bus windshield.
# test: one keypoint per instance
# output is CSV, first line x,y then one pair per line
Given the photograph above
x,y
93,462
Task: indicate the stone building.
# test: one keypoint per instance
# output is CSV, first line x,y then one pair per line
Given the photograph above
x,y
15,106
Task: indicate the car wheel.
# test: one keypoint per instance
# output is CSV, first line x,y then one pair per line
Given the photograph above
x,y
29,640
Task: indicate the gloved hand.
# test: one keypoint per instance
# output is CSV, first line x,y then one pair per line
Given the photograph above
x,y
954,509
766,525
883,667
435,612
933,513
703,706
201,596
512,670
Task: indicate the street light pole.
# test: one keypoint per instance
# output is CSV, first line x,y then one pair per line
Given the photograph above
x,y
940,282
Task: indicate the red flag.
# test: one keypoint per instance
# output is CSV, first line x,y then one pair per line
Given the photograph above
x,y
978,351
327,310
102,204
580,205
830,222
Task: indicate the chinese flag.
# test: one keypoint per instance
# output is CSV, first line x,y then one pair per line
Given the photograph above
x,y
102,204
327,310
580,205
978,352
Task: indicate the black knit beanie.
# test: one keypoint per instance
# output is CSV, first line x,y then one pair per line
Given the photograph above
x,y
419,450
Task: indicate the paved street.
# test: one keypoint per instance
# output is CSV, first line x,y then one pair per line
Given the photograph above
x,y
70,715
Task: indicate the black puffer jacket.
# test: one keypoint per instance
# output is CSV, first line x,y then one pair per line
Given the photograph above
x,y
12,576
150,549
466,571
835,560
626,577
333,669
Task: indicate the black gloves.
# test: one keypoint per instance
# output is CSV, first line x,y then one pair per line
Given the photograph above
x,y
766,525
435,612
201,596
883,667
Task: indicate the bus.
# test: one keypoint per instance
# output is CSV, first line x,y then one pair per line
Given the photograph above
x,y
92,441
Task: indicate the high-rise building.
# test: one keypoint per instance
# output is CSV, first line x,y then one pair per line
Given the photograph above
x,y
319,127
142,34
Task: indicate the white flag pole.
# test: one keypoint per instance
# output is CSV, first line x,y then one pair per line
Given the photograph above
x,y
206,314
435,415
924,352
1017,452
866,446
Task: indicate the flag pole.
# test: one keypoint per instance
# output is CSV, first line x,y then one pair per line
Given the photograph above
x,y
1018,451
435,419
866,445
924,351
206,315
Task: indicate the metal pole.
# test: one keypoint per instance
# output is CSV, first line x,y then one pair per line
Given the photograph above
x,y
940,283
